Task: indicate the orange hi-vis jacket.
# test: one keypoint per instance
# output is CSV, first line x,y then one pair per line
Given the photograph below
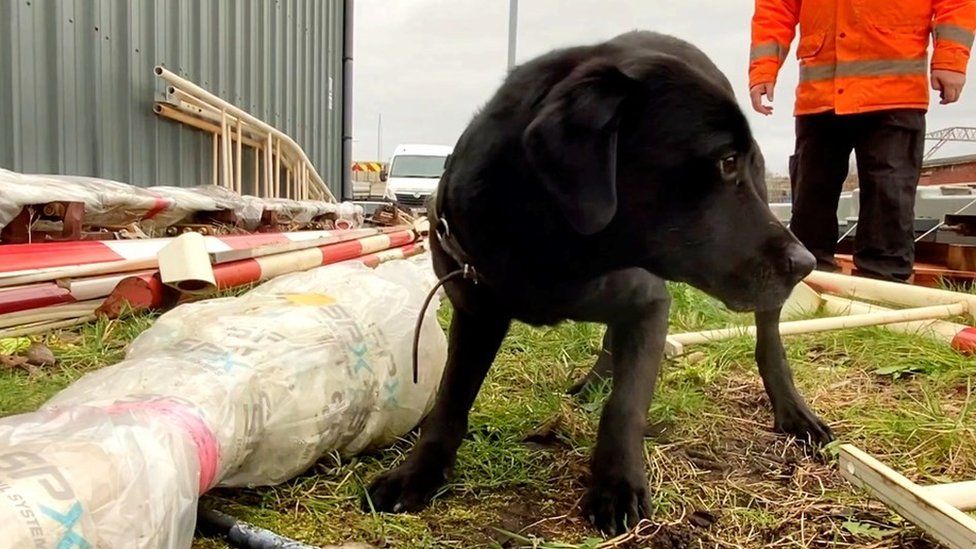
x,y
861,55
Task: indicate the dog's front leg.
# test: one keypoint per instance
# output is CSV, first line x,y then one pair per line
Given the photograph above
x,y
634,304
791,413
618,498
474,341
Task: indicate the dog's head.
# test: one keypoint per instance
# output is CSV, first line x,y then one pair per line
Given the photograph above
x,y
644,148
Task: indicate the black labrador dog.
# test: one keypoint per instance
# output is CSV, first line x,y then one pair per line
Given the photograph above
x,y
594,174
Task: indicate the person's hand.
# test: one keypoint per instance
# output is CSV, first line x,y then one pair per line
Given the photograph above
x,y
758,91
949,84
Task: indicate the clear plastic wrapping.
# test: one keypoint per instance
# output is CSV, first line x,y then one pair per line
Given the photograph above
x,y
242,391
114,204
107,203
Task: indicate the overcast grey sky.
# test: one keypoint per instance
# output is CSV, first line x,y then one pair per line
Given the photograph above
x,y
428,65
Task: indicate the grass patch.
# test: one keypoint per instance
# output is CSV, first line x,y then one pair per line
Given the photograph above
x,y
78,351
718,475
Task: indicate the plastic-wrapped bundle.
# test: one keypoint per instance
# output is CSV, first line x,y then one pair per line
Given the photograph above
x,y
234,392
113,204
295,211
107,203
205,198
352,214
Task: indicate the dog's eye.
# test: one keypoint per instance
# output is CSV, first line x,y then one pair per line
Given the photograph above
x,y
728,166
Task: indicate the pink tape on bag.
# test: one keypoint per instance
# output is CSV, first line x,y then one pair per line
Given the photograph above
x,y
203,438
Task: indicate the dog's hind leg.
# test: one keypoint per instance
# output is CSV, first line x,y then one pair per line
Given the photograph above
x,y
600,371
474,341
791,413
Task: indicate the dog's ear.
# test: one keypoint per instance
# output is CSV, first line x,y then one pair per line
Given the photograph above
x,y
572,142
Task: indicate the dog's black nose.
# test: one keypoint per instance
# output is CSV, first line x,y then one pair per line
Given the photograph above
x,y
800,261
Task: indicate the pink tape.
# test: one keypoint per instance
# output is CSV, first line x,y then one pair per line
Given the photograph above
x,y
203,438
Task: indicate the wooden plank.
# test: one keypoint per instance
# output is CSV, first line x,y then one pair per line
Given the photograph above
x,y
940,520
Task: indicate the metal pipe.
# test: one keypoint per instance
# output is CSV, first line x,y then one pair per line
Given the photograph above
x,y
200,93
238,176
173,113
512,31
227,174
215,145
346,156
242,534
277,170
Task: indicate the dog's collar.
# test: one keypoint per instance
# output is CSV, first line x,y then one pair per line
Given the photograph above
x,y
449,242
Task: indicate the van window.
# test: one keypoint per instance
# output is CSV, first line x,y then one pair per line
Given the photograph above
x,y
417,166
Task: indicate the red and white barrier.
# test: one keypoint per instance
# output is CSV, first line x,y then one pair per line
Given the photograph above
x,y
148,292
35,296
23,263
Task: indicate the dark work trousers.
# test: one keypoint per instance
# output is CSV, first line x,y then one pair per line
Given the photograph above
x,y
888,146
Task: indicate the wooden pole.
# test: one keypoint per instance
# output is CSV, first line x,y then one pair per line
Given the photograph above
x,y
918,504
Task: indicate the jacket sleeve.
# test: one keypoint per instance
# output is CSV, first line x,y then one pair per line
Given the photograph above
x,y
953,26
773,28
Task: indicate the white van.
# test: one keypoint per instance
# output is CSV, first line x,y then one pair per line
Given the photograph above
x,y
414,172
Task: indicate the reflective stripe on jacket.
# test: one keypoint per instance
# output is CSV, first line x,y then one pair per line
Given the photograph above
x,y
861,55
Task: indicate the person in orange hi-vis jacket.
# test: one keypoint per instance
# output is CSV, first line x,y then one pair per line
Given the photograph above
x,y
864,77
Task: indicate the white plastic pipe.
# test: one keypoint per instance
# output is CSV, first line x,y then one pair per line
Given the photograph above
x,y
825,324
937,329
50,314
54,273
888,292
184,264
45,326
961,495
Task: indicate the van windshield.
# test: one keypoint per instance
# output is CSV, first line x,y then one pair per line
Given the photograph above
x,y
417,166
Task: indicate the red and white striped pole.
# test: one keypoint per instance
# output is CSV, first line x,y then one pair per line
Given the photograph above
x,y
27,263
148,292
46,294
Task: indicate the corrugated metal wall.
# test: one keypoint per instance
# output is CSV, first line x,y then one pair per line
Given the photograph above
x,y
77,87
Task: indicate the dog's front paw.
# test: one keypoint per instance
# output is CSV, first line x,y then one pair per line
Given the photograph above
x,y
803,424
406,489
618,500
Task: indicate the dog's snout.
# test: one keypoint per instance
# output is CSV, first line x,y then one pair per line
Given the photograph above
x,y
800,262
